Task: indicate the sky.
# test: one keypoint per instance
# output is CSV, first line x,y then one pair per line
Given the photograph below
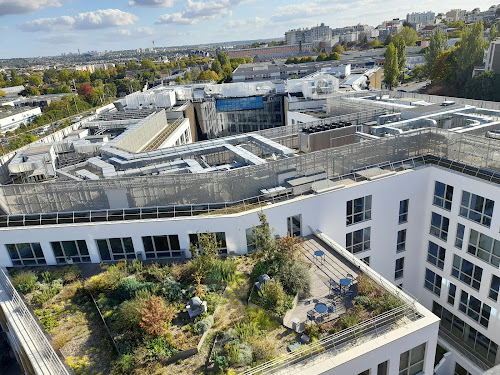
x,y
30,28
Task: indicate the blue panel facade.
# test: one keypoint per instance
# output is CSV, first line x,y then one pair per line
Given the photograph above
x,y
239,104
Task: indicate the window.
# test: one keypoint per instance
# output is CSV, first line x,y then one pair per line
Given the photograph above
x,y
116,248
443,195
294,225
383,368
452,292
412,361
484,247
459,240
467,272
401,245
251,240
476,208
358,241
220,238
403,211
479,344
366,260
459,370
439,226
359,210
399,268
436,254
26,254
75,250
433,282
474,309
162,246
494,287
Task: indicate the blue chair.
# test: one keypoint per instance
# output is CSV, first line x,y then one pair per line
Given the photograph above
x,y
331,309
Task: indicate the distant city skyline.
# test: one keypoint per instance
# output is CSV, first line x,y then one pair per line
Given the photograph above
x,y
50,27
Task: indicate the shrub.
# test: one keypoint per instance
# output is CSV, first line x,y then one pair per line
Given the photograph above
x,y
78,364
244,330
47,292
135,267
128,287
274,298
245,356
223,271
312,330
349,319
220,362
71,274
46,277
264,347
366,287
295,278
47,319
363,301
25,281
160,348
205,324
155,316
126,362
106,281
262,319
233,351
129,316
172,291
213,300
259,268
156,273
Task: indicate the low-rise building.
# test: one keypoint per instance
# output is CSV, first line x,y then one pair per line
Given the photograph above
x,y
12,118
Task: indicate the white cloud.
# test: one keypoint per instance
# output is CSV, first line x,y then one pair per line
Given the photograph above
x,y
66,38
26,6
195,11
98,19
144,31
134,32
152,3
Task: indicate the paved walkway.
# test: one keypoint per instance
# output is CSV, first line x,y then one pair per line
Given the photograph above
x,y
329,266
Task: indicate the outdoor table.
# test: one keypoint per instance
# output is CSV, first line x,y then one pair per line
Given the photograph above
x,y
321,308
345,282
320,255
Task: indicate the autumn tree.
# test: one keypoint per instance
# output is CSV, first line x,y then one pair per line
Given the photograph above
x,y
85,90
155,316
216,67
290,247
391,66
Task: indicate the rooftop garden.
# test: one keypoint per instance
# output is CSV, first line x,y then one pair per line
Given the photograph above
x,y
203,316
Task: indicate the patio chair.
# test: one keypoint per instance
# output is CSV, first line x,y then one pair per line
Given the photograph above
x,y
349,276
331,309
310,315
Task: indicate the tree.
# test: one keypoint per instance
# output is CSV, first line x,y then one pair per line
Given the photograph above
x,y
264,240
85,90
16,81
255,45
227,72
483,87
493,32
155,316
132,65
216,67
64,76
443,66
321,57
35,81
391,66
400,45
147,64
333,56
409,35
456,25
187,76
208,75
418,72
338,48
438,43
469,53
223,58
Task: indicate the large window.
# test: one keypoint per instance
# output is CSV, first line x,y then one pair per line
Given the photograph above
x,y
479,344
294,225
467,272
220,239
412,361
459,370
433,282
162,246
484,247
76,251
474,309
401,245
476,208
399,268
459,239
358,241
116,248
436,255
443,195
452,293
251,240
494,288
26,254
439,226
359,210
403,211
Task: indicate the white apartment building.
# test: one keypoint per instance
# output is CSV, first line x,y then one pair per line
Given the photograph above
x,y
455,15
421,18
320,33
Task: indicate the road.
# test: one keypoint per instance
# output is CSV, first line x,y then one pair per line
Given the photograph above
x,y
412,86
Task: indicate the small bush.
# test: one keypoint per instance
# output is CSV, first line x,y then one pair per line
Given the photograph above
x,y
262,319
156,273
205,324
128,288
313,331
295,278
223,272
71,274
172,291
264,347
106,281
46,277
25,281
273,297
79,365
245,330
245,357
129,317
160,348
220,362
126,363
366,287
47,319
259,268
135,267
155,316
47,292
363,301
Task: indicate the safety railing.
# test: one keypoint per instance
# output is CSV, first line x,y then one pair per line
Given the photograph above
x,y
27,333
328,347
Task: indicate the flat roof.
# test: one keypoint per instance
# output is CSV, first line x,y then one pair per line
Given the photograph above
x,y
11,111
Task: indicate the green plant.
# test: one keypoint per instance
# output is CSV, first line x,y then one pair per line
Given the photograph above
x,y
136,266
273,297
128,287
244,330
46,277
312,330
172,291
205,324
233,351
223,271
264,347
71,274
295,278
25,281
126,362
245,355
159,348
220,362
363,301
106,281
47,319
47,292
129,316
79,365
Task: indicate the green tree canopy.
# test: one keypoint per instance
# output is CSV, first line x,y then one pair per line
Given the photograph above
x,y
223,58
409,35
36,81
147,64
400,45
216,66
493,32
483,87
438,43
64,76
443,66
391,66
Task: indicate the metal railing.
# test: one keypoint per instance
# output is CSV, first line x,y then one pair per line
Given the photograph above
x,y
224,208
463,349
28,334
163,136
324,349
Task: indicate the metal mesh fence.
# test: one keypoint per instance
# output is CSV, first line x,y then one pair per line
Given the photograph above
x,y
241,183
